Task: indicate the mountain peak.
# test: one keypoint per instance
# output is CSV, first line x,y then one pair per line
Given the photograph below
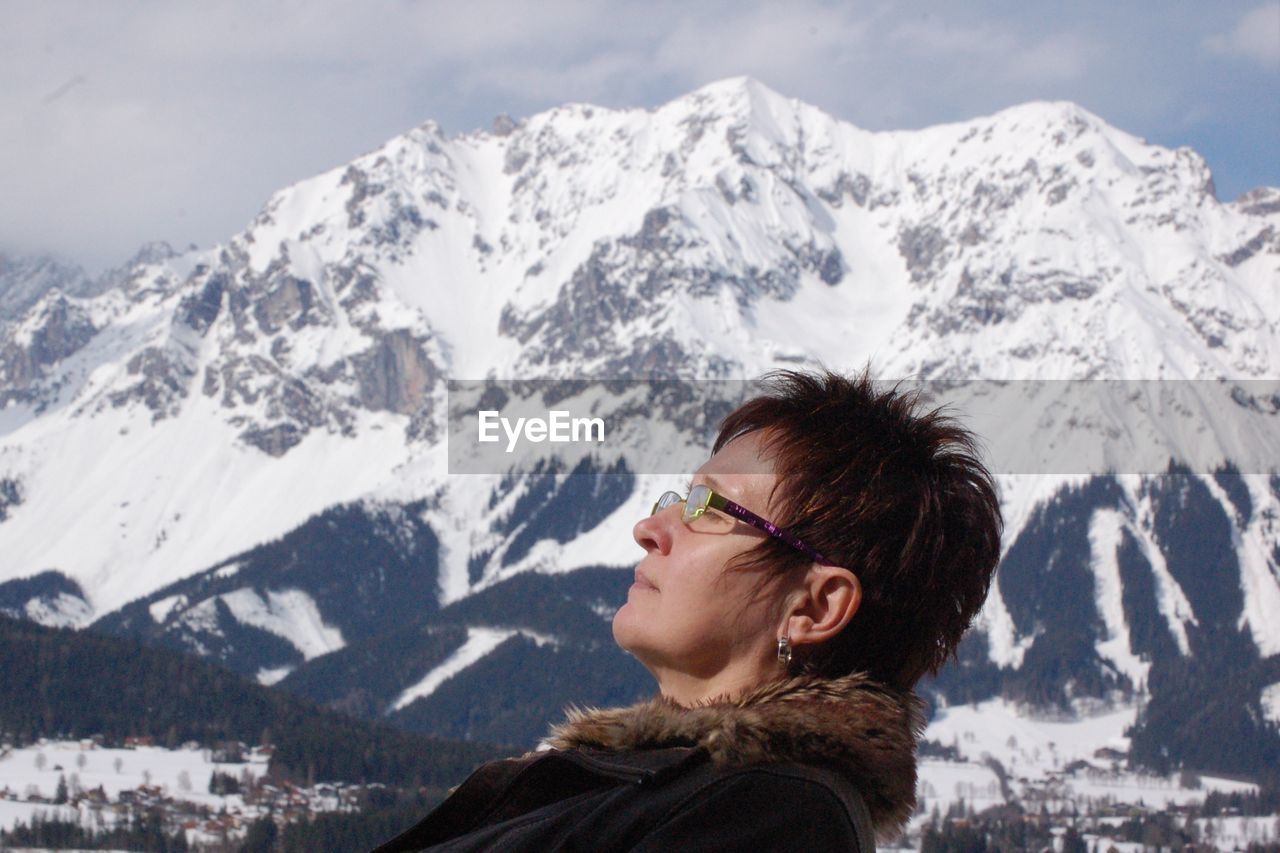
x,y
739,87
743,96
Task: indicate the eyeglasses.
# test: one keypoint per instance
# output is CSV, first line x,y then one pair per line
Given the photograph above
x,y
708,511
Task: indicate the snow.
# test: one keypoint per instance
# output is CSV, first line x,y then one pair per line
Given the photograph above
x,y
1170,598
1271,702
479,642
162,607
12,812
227,571
455,523
63,611
1104,539
1026,745
1239,833
274,675
170,498
183,773
944,783
203,618
1257,550
290,614
1149,790
1036,753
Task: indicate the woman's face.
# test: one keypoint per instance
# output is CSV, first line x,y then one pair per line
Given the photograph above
x,y
686,618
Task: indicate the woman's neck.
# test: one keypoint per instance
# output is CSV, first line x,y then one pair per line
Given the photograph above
x,y
689,691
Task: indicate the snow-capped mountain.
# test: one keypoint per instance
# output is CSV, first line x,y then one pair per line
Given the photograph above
x,y
248,442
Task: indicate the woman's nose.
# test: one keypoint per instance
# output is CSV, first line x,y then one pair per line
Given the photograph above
x,y
654,532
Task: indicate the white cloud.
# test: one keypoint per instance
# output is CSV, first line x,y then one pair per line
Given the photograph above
x,y
1256,36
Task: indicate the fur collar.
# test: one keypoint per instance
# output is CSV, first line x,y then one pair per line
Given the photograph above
x,y
853,724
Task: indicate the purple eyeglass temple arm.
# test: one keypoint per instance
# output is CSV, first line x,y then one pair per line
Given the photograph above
x,y
740,512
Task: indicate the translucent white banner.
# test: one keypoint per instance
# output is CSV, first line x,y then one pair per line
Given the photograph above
x,y
1023,427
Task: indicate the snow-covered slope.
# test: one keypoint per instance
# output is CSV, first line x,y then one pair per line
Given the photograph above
x,y
211,402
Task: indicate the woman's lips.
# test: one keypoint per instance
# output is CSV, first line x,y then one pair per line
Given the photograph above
x,y
643,582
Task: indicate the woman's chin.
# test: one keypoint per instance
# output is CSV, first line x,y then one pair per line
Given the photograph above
x,y
620,617
625,627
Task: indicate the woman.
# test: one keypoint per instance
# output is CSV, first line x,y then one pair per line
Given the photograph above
x,y
831,552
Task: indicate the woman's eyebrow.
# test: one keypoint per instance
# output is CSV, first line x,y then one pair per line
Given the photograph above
x,y
714,483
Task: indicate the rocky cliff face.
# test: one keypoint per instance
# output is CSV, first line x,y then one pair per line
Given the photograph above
x,y
24,280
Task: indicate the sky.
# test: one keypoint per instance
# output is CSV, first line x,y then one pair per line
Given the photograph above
x,y
135,120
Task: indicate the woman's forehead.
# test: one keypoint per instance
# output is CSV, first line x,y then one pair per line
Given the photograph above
x,y
745,455
742,471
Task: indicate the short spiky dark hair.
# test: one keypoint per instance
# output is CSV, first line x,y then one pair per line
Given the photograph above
x,y
892,492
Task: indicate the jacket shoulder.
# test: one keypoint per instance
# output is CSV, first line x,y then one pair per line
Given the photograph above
x,y
784,806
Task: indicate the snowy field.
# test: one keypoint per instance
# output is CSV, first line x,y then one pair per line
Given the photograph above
x,y
184,774
1028,747
1038,751
1237,833
944,783
1062,765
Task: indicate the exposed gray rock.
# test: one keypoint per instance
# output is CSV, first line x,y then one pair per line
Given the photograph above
x,y
355,286
287,301
1259,201
64,329
1058,193
61,329
295,401
828,264
274,440
626,279
985,297
241,380
1266,238
922,247
163,379
1213,324
400,226
10,495
971,235
200,309
503,125
24,280
515,159
395,374
361,189
149,254
653,236
726,191
857,188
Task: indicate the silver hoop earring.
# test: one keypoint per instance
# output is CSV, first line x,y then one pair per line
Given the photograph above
x,y
784,650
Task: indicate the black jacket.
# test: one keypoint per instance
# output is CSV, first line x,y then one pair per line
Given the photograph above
x,y
804,764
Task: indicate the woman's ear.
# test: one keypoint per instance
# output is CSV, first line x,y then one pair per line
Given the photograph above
x,y
829,598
